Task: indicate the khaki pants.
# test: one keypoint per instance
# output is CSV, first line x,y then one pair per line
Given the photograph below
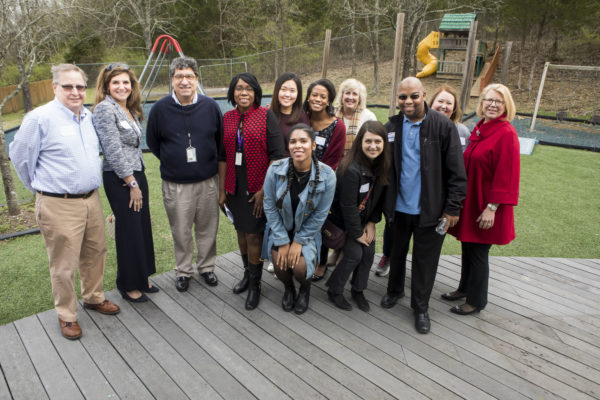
x,y
73,230
194,204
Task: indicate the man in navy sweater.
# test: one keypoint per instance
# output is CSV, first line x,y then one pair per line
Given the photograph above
x,y
185,132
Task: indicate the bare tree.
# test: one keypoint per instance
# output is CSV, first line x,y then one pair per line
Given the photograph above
x,y
24,27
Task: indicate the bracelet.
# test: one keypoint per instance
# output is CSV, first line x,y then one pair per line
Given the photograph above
x,y
133,184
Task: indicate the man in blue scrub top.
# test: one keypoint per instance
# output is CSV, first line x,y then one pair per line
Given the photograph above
x,y
428,184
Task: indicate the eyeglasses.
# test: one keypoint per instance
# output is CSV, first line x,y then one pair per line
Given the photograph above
x,y
492,101
242,88
69,88
414,96
180,77
122,66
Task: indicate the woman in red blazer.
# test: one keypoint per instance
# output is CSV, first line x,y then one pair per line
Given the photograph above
x,y
492,163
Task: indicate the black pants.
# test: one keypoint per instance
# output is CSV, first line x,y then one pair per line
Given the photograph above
x,y
357,259
386,241
475,273
427,246
133,233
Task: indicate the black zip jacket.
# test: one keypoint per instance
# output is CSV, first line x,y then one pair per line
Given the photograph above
x,y
443,178
344,209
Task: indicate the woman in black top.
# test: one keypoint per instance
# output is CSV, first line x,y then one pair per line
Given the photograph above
x,y
357,207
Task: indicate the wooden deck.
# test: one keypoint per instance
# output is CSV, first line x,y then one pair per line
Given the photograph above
x,y
539,338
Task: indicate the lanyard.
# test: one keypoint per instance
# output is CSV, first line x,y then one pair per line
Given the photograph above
x,y
240,134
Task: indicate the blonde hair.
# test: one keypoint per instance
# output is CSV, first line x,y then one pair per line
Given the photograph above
x,y
350,84
509,103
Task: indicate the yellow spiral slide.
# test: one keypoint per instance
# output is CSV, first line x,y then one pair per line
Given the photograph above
x,y
432,41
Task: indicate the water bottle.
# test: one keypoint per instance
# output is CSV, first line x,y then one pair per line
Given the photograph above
x,y
440,227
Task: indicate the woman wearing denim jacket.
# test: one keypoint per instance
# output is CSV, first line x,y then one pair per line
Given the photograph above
x,y
116,117
298,194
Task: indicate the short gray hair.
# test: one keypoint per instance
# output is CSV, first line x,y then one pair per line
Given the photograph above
x,y
57,70
183,63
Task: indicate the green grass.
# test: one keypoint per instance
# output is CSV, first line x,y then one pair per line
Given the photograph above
x,y
558,216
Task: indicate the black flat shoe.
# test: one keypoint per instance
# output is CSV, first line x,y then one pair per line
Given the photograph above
x,y
152,289
452,297
422,323
289,298
460,311
389,300
142,299
317,278
339,301
182,283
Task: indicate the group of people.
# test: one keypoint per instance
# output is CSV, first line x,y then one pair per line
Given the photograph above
x,y
280,172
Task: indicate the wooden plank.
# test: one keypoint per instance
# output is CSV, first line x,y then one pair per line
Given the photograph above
x,y
187,314
88,378
321,307
326,53
55,377
17,368
576,264
479,361
178,369
507,51
270,316
4,391
156,380
329,365
396,64
218,377
121,377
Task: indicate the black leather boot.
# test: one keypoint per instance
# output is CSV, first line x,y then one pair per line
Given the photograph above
x,y
242,285
289,295
255,274
302,299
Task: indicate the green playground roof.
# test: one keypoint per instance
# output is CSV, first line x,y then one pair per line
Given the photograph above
x,y
457,22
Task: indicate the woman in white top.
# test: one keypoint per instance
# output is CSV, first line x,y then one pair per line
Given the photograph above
x,y
351,105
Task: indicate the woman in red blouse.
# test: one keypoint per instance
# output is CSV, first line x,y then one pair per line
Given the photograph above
x,y
492,163
251,141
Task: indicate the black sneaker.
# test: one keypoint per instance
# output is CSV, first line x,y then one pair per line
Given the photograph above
x,y
182,283
339,301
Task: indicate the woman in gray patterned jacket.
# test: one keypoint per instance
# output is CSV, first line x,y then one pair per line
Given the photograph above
x,y
116,114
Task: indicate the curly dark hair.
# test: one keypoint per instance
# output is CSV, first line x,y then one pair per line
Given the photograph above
x,y
327,84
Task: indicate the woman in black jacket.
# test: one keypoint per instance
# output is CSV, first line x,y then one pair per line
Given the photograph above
x,y
357,207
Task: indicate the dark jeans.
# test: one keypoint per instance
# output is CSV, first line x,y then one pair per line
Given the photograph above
x,y
427,245
357,259
475,273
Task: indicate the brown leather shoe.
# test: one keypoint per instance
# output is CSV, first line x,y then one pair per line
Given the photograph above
x,y
106,307
70,330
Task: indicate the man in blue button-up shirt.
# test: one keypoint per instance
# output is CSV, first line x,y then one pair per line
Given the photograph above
x,y
55,154
428,186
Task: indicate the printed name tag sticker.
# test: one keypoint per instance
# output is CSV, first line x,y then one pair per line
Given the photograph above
x,y
364,188
125,125
391,136
320,140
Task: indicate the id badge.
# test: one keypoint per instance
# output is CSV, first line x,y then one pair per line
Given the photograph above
x,y
238,159
191,154
320,140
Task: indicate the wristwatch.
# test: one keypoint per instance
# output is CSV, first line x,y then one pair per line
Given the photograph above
x,y
133,184
492,207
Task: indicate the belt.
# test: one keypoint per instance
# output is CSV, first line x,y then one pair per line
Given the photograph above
x,y
67,195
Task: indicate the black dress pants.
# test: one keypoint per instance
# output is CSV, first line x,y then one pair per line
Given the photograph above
x,y
133,233
427,246
475,273
357,259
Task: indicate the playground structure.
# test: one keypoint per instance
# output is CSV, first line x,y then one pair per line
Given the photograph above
x,y
167,45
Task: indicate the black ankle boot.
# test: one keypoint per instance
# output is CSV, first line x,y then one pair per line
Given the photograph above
x,y
242,285
302,299
289,295
255,274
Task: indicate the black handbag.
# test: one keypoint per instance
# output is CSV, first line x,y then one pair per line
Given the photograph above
x,y
332,235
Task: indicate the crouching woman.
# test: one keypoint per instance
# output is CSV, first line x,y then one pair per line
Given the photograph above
x,y
298,194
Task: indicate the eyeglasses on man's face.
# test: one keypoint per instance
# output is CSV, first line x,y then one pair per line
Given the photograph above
x,y
414,96
180,77
69,88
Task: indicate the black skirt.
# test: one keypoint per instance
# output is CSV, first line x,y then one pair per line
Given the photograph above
x,y
243,219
